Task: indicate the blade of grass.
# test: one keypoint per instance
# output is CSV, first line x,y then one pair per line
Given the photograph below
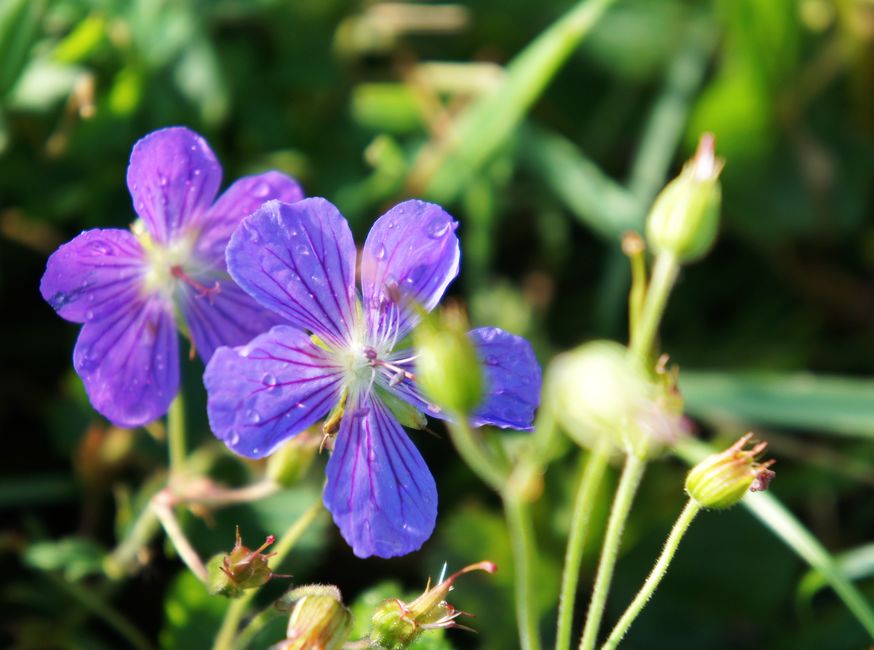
x,y
775,516
442,170
824,404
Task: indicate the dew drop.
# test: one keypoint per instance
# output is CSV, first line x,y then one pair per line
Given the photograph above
x,y
438,227
197,172
100,248
380,252
492,360
162,180
89,315
302,250
390,224
261,190
252,416
234,439
269,381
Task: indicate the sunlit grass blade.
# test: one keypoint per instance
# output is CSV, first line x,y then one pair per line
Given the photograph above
x,y
775,516
856,563
487,124
839,405
594,198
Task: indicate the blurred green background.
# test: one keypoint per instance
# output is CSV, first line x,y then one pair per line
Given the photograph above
x,y
546,158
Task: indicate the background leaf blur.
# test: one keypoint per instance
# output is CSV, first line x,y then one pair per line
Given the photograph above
x,y
545,159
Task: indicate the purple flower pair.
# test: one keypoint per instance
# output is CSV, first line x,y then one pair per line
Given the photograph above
x,y
131,288
331,351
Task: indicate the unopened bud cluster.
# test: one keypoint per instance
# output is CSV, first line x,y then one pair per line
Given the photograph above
x,y
396,625
684,218
722,480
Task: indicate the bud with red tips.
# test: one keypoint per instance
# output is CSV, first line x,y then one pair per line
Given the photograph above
x,y
722,480
396,624
241,569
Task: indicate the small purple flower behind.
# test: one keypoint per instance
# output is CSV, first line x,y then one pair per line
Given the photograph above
x,y
128,287
338,353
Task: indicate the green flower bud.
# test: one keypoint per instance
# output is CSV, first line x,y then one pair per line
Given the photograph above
x,y
318,620
396,624
241,569
722,480
602,394
290,462
684,218
447,366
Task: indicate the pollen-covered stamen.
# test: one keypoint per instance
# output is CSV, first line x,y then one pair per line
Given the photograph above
x,y
202,290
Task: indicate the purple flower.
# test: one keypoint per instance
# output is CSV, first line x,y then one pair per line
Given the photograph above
x,y
338,351
127,286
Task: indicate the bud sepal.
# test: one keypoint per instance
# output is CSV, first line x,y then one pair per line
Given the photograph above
x,y
232,573
721,480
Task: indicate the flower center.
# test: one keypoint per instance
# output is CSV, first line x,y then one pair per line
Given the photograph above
x,y
167,264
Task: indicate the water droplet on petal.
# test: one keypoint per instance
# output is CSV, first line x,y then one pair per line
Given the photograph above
x,y
269,381
438,227
492,360
100,248
252,416
162,180
301,249
197,172
233,439
261,190
89,315
390,224
380,252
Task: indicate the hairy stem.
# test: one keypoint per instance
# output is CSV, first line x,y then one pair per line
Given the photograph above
x,y
176,434
655,577
518,514
664,274
591,477
632,473
177,537
480,459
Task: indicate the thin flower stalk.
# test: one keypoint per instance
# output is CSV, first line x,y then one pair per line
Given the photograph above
x,y
655,577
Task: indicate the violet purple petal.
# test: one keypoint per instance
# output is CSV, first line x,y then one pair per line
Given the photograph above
x,y
298,259
240,200
129,361
513,379
379,490
269,390
226,316
411,255
96,274
173,178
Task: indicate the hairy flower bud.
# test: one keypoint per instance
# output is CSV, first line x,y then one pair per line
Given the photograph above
x,y
396,624
447,366
684,218
722,480
600,393
318,620
290,462
241,569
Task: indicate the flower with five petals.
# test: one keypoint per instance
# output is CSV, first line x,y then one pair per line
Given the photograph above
x,y
339,351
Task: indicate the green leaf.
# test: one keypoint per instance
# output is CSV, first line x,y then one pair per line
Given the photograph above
x,y
594,198
823,404
75,557
775,516
191,615
19,22
492,119
856,563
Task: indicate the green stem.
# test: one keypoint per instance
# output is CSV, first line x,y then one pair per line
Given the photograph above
x,y
632,473
655,577
521,530
177,537
664,274
480,459
176,434
228,631
591,476
98,606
